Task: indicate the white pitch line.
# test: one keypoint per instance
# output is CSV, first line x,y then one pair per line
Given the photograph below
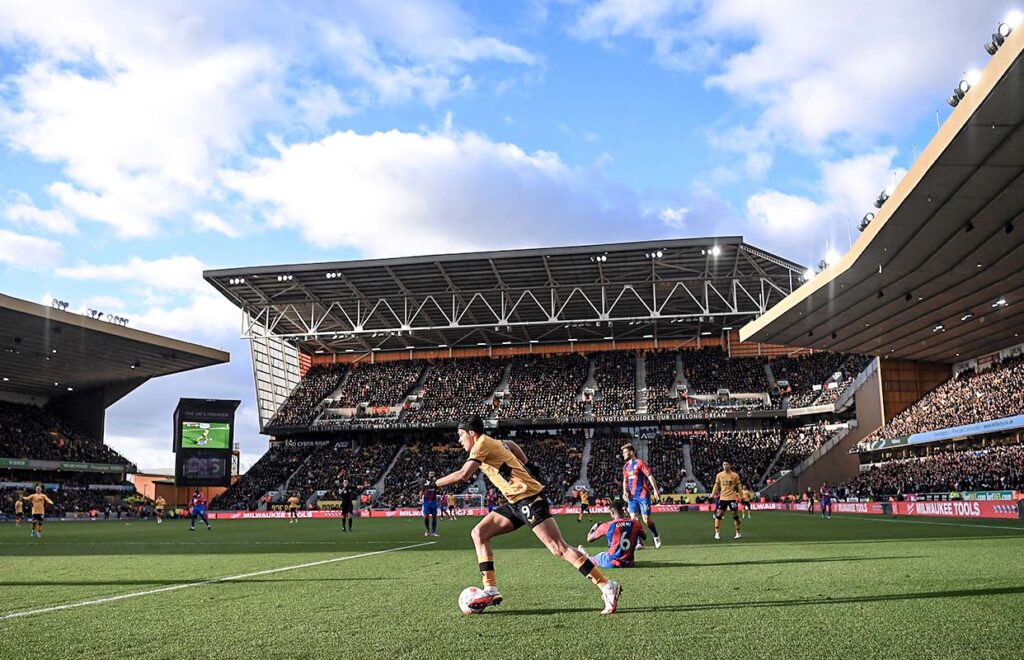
x,y
136,594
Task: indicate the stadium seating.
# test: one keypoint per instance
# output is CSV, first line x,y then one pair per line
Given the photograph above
x,y
557,456
968,398
303,404
456,388
800,443
998,468
332,463
665,458
403,483
751,452
604,472
380,384
269,472
804,372
661,375
545,386
709,369
27,431
615,372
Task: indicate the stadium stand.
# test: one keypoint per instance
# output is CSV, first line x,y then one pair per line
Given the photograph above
x,y
800,443
968,398
709,369
665,458
27,431
604,472
380,384
268,473
615,372
558,457
545,386
661,375
454,388
751,452
995,468
332,463
402,486
302,406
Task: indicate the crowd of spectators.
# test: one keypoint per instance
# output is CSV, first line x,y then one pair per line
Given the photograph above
x,y
800,443
28,431
968,398
665,457
557,456
333,463
751,453
615,372
661,380
67,499
267,474
456,388
379,384
996,468
709,369
306,400
810,376
402,485
604,471
545,386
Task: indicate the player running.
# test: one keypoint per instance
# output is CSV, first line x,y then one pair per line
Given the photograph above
x,y
428,499
826,500
348,496
623,535
203,439
39,501
492,500
726,493
19,512
158,507
584,496
293,509
197,509
636,477
746,498
506,466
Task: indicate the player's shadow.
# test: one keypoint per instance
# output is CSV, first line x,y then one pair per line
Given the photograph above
x,y
767,562
171,583
797,602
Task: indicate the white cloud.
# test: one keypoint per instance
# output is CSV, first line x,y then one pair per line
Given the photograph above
x,y
22,211
204,221
29,252
674,217
409,193
177,273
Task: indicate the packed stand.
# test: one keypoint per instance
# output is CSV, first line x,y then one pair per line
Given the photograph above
x,y
379,384
661,379
456,388
751,453
665,457
333,463
268,473
615,372
27,431
968,398
306,400
557,456
709,369
403,483
996,468
545,386
604,471
805,372
801,443
65,500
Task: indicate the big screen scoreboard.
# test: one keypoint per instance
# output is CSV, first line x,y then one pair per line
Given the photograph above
x,y
203,441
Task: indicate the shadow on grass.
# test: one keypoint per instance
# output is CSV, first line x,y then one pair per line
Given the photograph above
x,y
169,583
767,562
797,602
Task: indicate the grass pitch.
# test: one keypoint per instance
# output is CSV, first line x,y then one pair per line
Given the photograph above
x,y
794,586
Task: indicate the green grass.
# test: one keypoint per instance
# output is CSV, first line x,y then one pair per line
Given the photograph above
x,y
795,586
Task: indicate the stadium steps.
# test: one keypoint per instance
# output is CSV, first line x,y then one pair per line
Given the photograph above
x,y
688,466
846,398
379,486
641,384
770,374
588,444
643,448
288,481
771,466
501,388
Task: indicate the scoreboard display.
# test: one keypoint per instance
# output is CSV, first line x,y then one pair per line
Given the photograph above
x,y
203,441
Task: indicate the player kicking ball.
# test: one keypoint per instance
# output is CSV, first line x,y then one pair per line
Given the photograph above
x,y
726,494
638,485
505,465
623,535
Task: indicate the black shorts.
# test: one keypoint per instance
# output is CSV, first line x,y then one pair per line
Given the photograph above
x,y
727,505
37,517
584,508
530,511
18,516
346,509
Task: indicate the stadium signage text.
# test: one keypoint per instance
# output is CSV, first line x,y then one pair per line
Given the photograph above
x,y
981,428
31,464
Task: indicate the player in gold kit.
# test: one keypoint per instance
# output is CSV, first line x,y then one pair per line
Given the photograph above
x,y
39,501
507,467
726,494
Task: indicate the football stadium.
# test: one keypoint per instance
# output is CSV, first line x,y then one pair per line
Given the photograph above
x,y
715,450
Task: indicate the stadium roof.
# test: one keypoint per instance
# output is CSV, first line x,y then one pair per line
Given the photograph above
x,y
667,289
48,352
924,279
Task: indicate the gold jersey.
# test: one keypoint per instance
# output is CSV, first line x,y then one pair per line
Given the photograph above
x,y
727,486
39,502
503,469
160,503
293,502
584,497
747,495
19,507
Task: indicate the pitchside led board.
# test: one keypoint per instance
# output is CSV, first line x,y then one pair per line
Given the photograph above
x,y
204,433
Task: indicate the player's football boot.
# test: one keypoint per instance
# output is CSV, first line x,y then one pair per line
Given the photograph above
x,y
610,595
657,542
738,536
491,597
717,536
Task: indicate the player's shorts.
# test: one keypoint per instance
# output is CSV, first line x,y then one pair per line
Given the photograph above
x,y
346,509
643,504
430,508
745,504
199,511
530,511
584,508
37,517
19,517
727,505
159,512
491,507
826,501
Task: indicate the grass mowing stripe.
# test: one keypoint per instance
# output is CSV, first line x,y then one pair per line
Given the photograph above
x,y
1008,528
111,599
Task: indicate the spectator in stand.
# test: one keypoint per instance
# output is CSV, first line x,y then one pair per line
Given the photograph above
x,y
402,486
751,453
558,457
380,384
709,369
604,472
661,382
800,443
545,386
306,401
455,386
27,431
268,473
615,372
805,372
333,463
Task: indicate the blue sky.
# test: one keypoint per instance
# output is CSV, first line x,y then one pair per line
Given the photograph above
x,y
143,143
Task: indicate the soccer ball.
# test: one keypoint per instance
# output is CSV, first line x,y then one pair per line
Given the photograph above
x,y
468,595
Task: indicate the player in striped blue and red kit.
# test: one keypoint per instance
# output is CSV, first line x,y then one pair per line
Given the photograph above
x,y
638,486
826,501
428,498
198,510
623,535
